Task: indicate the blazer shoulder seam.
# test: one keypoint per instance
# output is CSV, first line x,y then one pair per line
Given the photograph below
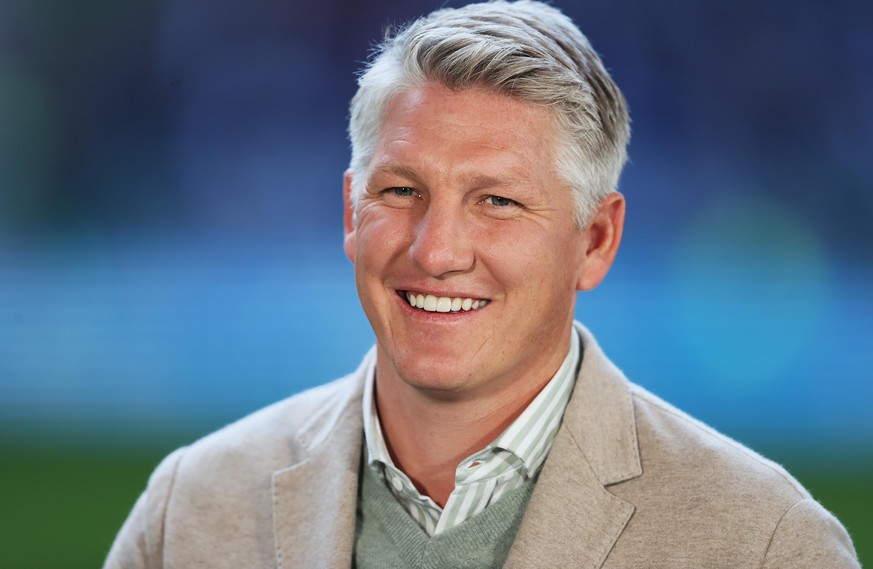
x,y
172,462
776,528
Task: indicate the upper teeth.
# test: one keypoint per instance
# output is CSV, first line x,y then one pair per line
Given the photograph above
x,y
432,303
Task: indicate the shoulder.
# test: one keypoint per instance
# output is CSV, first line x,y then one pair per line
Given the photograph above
x,y
674,444
700,486
240,458
218,490
275,436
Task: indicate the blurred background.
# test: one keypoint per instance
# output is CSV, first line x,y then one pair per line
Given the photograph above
x,y
170,234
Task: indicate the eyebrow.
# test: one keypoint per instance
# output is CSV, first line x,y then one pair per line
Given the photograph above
x,y
407,172
411,173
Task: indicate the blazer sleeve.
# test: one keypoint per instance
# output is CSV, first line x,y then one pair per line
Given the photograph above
x,y
139,543
808,536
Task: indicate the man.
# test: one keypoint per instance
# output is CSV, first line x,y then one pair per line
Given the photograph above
x,y
485,429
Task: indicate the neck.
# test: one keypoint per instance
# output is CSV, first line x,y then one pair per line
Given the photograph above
x,y
429,434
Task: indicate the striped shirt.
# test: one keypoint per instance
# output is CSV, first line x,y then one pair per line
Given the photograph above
x,y
514,457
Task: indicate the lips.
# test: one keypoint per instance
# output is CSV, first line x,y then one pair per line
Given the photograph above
x,y
432,303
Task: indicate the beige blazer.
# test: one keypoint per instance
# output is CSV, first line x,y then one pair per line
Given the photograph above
x,y
630,482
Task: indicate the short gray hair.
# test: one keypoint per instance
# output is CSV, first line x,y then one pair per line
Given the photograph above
x,y
526,50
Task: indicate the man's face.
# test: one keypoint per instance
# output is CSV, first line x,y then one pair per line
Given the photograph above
x,y
463,210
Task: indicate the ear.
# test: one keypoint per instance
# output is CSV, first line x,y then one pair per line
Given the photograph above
x,y
602,237
348,217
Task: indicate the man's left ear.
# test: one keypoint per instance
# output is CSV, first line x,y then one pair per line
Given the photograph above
x,y
602,238
348,217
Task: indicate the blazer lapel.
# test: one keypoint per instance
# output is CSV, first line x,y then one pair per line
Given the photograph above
x,y
315,500
572,520
314,512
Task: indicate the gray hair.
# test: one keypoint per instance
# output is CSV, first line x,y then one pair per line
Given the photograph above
x,y
526,50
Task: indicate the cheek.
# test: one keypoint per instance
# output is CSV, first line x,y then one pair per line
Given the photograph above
x,y
519,268
534,263
378,239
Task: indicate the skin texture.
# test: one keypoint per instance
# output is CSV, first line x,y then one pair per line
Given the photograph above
x,y
462,201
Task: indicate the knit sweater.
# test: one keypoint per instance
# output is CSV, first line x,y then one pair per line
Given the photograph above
x,y
386,536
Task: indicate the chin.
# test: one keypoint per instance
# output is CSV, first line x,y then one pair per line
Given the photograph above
x,y
434,375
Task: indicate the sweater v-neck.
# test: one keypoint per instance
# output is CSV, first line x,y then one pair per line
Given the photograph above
x,y
387,536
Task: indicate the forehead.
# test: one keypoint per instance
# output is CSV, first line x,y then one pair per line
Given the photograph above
x,y
470,128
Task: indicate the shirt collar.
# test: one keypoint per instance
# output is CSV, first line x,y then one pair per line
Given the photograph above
x,y
529,436
377,450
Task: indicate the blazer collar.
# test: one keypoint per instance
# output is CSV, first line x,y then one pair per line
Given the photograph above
x,y
315,499
572,519
600,416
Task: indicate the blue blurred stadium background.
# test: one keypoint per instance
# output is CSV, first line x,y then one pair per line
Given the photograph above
x,y
170,233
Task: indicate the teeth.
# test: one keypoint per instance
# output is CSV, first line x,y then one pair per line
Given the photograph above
x,y
444,304
431,303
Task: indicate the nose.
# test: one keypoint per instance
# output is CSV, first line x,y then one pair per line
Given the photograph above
x,y
441,244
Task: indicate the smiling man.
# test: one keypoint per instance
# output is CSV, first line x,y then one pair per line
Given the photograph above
x,y
486,428
467,258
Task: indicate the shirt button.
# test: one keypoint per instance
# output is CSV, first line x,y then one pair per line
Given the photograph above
x,y
398,484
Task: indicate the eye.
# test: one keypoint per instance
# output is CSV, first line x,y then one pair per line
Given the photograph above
x,y
401,197
498,201
403,192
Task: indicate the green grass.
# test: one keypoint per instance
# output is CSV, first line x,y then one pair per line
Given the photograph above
x,y
62,508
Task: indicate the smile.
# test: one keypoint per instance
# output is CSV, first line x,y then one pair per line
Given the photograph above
x,y
431,303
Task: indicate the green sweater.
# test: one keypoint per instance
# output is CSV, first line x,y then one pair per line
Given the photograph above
x,y
387,537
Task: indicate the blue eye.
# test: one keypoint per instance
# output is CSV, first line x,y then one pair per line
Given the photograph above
x,y
499,201
402,197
